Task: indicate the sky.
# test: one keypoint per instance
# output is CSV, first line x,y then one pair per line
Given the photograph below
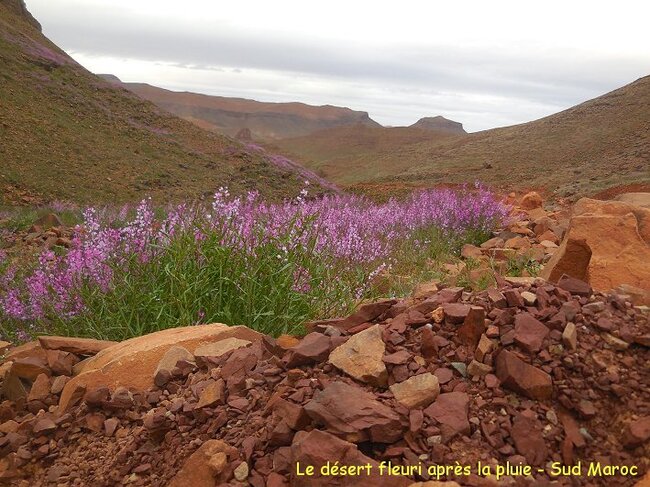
x,y
482,63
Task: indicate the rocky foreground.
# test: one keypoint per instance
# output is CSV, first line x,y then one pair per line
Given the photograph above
x,y
526,374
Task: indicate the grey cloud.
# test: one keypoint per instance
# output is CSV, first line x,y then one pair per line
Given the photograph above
x,y
536,77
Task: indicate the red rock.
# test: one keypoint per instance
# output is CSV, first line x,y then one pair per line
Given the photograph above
x,y
314,348
163,372
497,298
491,381
95,422
616,237
294,415
97,397
429,348
29,368
110,425
575,286
354,414
586,409
451,410
517,375
470,251
513,298
44,425
637,433
473,327
318,448
529,332
443,374
398,358
455,312
571,428
61,362
527,435
366,313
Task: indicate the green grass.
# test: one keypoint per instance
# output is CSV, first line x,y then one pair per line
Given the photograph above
x,y
224,284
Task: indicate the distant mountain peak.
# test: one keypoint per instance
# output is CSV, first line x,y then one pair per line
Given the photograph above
x,y
439,124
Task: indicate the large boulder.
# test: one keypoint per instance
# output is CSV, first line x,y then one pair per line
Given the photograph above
x,y
132,363
636,199
588,206
607,244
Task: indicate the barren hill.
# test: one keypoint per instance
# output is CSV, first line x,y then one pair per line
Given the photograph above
x,y
349,154
68,134
266,121
599,144
439,124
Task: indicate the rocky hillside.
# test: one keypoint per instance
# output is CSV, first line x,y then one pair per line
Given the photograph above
x,y
67,134
584,150
439,124
266,121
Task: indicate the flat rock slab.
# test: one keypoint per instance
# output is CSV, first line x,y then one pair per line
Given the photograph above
x,y
354,414
362,357
217,349
417,391
80,346
114,366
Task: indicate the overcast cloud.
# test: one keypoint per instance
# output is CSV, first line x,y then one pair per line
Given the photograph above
x,y
484,64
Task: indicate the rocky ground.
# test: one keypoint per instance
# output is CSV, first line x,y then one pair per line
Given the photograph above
x,y
447,385
530,373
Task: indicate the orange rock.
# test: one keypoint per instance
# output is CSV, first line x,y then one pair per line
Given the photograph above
x,y
287,341
636,199
605,250
199,469
80,346
40,388
531,200
536,213
132,363
550,236
619,208
517,243
29,349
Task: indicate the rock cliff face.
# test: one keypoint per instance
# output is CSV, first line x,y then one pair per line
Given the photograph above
x,y
439,124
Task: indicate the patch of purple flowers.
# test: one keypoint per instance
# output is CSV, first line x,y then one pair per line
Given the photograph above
x,y
340,229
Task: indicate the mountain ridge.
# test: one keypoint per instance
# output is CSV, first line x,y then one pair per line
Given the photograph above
x,y
600,144
228,115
